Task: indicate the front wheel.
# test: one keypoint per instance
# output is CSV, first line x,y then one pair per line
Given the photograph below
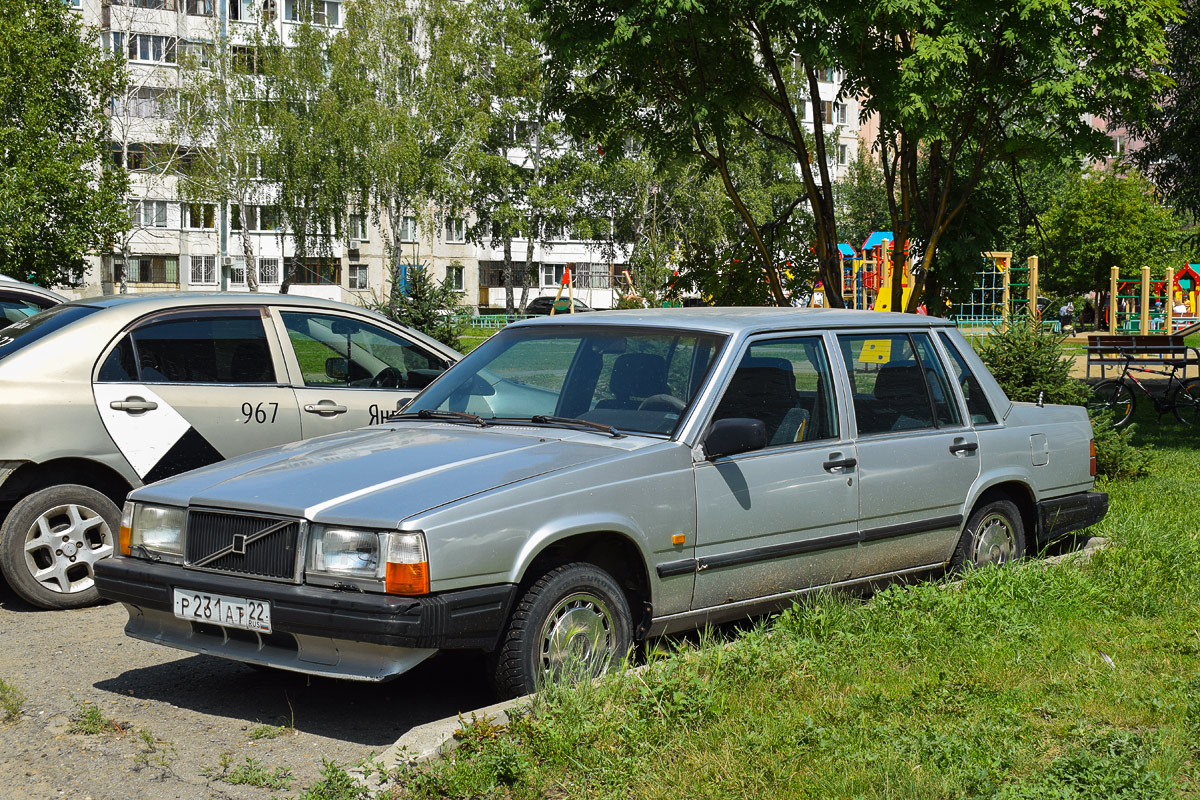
x,y
1114,397
573,622
50,543
995,534
1186,402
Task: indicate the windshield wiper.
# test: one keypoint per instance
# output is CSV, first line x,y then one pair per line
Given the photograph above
x,y
543,419
446,416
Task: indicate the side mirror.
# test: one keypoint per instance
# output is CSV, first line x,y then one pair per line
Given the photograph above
x,y
337,368
402,404
728,437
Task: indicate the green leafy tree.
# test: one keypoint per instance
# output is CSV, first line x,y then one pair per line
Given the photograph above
x,y
961,86
404,72
862,199
1171,127
1106,219
699,80
60,197
217,124
309,155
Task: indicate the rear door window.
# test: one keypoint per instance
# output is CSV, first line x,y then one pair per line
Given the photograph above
x,y
978,407
898,385
228,347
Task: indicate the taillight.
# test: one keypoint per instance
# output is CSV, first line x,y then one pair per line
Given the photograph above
x,y
1092,457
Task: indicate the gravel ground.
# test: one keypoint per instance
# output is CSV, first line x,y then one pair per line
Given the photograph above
x,y
178,713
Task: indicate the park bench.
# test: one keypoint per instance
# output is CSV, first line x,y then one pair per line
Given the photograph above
x,y
1111,351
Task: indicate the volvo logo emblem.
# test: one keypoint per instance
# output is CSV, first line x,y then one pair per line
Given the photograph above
x,y
239,544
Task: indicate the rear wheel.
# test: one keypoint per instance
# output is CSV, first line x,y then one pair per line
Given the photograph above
x,y
1114,397
51,541
995,534
1187,402
573,622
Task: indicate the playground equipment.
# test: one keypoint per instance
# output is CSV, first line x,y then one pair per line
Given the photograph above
x,y
1001,290
1141,305
867,278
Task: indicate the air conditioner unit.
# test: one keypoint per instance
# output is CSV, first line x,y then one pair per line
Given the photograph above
x,y
355,244
227,261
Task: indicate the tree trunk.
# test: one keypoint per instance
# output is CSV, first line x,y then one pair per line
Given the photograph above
x,y
251,269
509,308
525,270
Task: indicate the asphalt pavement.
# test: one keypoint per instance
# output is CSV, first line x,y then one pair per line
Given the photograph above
x,y
186,720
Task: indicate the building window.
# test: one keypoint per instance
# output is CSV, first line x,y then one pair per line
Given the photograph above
x,y
1119,142
358,276
149,213
839,113
155,49
144,103
268,270
199,216
456,230
454,274
195,53
408,229
552,274
203,269
318,12
827,75
315,271
843,155
152,269
116,43
594,275
826,112
245,59
358,227
200,8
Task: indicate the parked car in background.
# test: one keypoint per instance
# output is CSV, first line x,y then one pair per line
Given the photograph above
x,y
579,483
106,394
545,304
20,300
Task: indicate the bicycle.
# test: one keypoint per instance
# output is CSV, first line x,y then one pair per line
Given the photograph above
x,y
1181,396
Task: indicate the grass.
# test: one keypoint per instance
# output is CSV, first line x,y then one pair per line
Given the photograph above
x,y
12,700
89,720
250,773
268,732
470,338
1029,681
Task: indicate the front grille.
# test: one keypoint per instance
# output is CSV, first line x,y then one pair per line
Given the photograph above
x,y
235,543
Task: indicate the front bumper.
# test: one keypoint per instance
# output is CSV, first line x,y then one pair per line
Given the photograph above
x,y
314,629
1062,515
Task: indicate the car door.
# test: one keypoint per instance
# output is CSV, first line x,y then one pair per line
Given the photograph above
x,y
917,457
784,517
184,389
348,371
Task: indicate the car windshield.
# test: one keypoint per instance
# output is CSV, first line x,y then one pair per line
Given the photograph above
x,y
634,379
24,333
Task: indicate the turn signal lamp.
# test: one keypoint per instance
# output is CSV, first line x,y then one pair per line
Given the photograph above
x,y
1092,459
126,528
407,565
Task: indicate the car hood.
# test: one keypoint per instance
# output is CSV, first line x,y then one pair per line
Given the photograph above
x,y
377,476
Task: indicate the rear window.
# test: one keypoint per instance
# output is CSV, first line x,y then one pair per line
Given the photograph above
x,y
21,334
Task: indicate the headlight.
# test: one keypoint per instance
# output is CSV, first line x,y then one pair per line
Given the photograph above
x,y
396,559
345,551
156,529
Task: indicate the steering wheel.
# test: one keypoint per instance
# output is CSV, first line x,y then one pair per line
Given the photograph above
x,y
388,378
661,402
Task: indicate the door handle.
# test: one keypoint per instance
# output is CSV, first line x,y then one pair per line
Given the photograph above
x,y
964,447
133,405
842,463
325,409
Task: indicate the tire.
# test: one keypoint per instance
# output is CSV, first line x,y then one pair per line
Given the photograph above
x,y
50,542
994,534
1186,402
573,610
1115,397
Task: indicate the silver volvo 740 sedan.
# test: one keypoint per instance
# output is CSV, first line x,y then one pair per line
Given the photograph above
x,y
577,484
102,395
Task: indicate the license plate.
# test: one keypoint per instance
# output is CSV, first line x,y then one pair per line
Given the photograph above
x,y
220,609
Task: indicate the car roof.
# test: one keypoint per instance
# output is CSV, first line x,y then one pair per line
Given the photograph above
x,y
736,320
167,300
9,284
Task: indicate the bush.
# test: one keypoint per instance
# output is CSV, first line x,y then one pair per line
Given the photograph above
x,y
426,305
1028,360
